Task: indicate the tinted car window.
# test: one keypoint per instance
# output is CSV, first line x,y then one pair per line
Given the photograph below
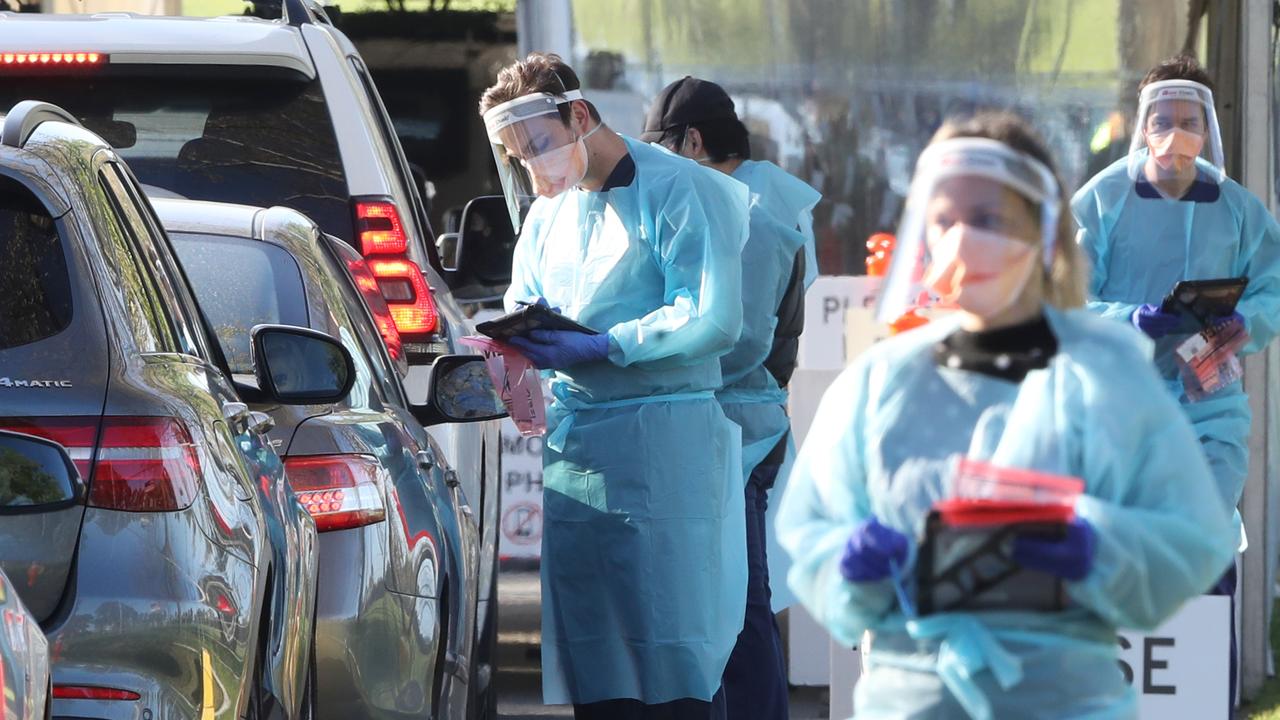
x,y
243,136
241,283
152,324
34,285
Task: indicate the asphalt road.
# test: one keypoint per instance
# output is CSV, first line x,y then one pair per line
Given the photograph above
x,y
519,681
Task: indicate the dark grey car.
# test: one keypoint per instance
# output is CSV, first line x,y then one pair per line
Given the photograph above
x,y
399,553
175,578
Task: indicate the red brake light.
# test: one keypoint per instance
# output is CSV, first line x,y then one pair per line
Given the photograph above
x,y
145,464
44,58
86,692
372,294
381,233
406,292
77,434
340,491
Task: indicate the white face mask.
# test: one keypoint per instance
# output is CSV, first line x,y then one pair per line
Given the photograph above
x,y
982,272
557,170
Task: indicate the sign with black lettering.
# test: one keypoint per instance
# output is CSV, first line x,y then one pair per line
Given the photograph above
x,y
1181,669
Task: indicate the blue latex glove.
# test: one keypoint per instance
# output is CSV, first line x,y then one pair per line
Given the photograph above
x,y
1234,317
556,349
870,549
1156,324
1070,558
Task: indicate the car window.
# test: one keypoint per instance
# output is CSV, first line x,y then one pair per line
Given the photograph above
x,y
155,249
152,329
241,283
244,135
33,270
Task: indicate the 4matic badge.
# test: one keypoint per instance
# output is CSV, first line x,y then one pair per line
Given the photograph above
x,y
10,383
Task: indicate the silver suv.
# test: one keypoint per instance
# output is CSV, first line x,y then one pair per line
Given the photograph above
x,y
272,112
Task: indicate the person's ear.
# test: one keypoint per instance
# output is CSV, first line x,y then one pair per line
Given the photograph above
x,y
581,116
693,143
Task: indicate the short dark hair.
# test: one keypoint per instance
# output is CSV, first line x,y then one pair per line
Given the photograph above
x,y
1178,67
539,72
724,139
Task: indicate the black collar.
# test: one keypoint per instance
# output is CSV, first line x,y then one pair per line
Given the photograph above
x,y
1008,353
623,174
1201,190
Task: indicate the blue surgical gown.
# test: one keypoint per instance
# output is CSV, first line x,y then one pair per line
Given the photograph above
x,y
1140,247
790,201
644,538
885,443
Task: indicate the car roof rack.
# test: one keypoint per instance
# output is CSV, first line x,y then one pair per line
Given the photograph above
x,y
26,116
304,12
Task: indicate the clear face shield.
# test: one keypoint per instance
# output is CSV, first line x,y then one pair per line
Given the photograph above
x,y
537,154
980,218
1176,134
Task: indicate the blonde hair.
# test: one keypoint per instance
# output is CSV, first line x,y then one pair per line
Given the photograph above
x,y
1067,275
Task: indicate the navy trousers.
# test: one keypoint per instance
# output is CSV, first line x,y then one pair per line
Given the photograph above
x,y
755,681
629,709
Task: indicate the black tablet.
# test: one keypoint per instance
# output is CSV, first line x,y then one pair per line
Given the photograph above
x,y
1205,300
529,317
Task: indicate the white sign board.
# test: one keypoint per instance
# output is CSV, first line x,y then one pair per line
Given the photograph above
x,y
822,345
1181,669
521,522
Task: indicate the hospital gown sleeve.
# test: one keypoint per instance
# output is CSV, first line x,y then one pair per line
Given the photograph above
x,y
700,230
1260,306
1086,206
1164,534
825,499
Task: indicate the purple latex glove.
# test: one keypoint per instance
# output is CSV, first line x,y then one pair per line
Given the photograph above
x,y
1070,558
557,349
1152,321
870,549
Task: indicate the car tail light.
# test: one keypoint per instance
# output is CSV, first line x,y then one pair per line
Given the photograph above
x,y
340,491
58,58
372,294
90,692
145,464
406,292
77,434
380,230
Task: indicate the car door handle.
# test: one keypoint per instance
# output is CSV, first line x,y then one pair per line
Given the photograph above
x,y
237,416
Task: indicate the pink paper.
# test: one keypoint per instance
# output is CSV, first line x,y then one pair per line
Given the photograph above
x,y
518,382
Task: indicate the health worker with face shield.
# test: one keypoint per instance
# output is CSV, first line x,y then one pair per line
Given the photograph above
x,y
643,552
696,118
992,494
1169,213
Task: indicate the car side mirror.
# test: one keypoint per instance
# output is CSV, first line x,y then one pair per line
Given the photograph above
x,y
300,366
447,246
35,472
460,390
485,245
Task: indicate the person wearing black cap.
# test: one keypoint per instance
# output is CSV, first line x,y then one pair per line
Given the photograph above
x,y
696,119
